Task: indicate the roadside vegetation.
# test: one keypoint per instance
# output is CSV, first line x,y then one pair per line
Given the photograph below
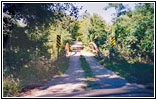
x,y
135,73
133,32
133,54
29,46
34,75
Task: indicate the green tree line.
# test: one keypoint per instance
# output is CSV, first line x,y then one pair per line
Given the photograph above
x,y
133,31
132,57
29,42
29,38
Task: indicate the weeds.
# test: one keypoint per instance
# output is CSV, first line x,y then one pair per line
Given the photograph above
x,y
34,74
135,73
11,86
86,68
90,77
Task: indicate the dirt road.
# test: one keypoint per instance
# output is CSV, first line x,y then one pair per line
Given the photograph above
x,y
72,82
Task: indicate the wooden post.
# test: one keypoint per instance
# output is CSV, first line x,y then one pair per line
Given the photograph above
x,y
57,52
112,47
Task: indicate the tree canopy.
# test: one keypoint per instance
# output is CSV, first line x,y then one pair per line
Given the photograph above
x,y
30,30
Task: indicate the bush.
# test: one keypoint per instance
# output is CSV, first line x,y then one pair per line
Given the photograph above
x,y
33,74
11,86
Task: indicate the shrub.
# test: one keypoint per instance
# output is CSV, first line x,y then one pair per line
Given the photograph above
x,y
11,86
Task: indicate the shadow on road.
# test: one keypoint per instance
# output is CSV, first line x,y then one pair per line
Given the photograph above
x,y
73,81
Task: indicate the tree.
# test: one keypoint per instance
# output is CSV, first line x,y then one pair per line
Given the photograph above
x,y
97,31
83,30
134,32
32,40
93,29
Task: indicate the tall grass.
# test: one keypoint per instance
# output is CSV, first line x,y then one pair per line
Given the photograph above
x,y
135,73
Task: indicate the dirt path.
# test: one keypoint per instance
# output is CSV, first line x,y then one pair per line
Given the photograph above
x,y
104,77
108,80
70,82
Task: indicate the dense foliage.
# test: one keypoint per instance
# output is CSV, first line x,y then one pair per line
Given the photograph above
x,y
29,33
29,38
133,54
133,31
93,29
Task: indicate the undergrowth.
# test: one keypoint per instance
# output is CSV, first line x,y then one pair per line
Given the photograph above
x,y
33,74
135,73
